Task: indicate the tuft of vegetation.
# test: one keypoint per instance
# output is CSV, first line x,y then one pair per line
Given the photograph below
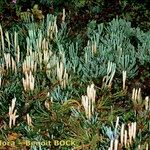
x,y
57,90
74,75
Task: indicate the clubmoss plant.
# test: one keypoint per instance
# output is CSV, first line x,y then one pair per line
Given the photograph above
x,y
65,90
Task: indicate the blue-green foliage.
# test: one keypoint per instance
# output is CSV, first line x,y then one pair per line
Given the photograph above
x,y
112,43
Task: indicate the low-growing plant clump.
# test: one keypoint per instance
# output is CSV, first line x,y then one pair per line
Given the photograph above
x,y
64,92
